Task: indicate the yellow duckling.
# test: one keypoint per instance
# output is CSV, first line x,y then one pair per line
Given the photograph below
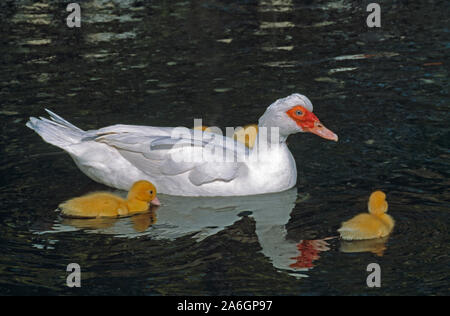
x,y
376,224
104,204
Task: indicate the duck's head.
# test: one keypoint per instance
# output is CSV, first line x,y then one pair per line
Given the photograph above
x,y
294,114
144,191
377,203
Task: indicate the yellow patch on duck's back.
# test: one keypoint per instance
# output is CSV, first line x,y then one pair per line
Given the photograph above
x,y
201,128
247,135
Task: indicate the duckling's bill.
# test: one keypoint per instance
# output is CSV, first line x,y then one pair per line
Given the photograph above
x,y
155,202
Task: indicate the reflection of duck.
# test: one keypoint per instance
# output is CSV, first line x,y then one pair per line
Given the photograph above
x,y
202,217
184,161
104,204
309,252
375,224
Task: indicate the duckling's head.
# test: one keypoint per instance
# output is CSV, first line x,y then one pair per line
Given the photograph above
x,y
377,203
143,191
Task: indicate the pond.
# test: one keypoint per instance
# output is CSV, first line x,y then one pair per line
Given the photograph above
x,y
384,91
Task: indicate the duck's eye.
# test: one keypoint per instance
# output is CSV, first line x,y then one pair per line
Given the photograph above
x,y
299,113
151,191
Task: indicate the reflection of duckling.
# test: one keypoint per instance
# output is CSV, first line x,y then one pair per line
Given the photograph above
x,y
376,246
377,224
143,221
104,204
140,222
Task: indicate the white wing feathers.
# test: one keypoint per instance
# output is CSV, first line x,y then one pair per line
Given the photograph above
x,y
155,152
209,172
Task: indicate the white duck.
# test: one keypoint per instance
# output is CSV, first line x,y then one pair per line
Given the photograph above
x,y
120,155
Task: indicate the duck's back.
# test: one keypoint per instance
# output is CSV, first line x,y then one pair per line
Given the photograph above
x,y
100,204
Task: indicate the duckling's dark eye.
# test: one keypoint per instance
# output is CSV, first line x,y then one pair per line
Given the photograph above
x,y
151,191
299,113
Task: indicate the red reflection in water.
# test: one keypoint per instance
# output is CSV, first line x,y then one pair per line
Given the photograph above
x,y
309,252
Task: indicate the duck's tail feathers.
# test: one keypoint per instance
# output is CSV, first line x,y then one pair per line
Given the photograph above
x,y
56,131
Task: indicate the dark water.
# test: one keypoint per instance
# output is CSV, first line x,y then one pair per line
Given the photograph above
x,y
383,91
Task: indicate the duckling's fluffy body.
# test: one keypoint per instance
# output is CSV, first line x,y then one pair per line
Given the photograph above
x,y
97,204
104,204
375,224
366,226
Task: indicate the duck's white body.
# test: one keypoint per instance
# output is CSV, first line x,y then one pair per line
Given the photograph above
x,y
119,155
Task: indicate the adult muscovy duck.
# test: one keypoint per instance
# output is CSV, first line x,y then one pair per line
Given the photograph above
x,y
120,155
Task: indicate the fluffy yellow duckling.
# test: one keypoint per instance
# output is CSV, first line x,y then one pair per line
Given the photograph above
x,y
376,224
104,204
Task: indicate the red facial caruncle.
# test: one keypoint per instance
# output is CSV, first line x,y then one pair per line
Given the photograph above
x,y
308,122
